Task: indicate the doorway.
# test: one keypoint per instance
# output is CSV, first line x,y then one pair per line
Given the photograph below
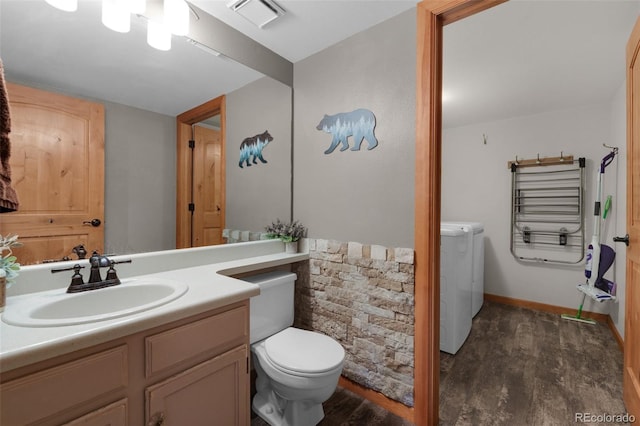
x,y
200,204
432,15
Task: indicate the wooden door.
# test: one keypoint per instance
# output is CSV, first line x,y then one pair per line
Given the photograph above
x,y
200,204
207,186
57,162
212,393
632,303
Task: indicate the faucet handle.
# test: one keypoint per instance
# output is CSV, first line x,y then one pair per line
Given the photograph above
x,y
76,278
111,272
76,268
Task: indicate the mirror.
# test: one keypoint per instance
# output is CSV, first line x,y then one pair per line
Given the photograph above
x,y
143,90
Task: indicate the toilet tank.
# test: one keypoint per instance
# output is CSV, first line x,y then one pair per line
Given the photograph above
x,y
272,310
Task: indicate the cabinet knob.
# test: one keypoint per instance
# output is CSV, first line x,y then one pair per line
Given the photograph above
x,y
157,419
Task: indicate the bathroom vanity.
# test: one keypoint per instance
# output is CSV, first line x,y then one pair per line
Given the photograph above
x,y
184,362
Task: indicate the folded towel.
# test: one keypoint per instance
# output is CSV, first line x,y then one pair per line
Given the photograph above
x,y
8,196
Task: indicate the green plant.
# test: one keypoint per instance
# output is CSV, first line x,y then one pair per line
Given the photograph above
x,y
287,232
8,261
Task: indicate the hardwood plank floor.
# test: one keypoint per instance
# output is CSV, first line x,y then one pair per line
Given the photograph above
x,y
517,367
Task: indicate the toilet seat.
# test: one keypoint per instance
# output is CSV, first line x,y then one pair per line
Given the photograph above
x,y
302,352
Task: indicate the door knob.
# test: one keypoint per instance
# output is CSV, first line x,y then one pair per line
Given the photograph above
x,y
624,240
92,222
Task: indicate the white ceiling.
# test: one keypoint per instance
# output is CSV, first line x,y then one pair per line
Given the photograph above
x,y
310,26
522,57
528,56
76,54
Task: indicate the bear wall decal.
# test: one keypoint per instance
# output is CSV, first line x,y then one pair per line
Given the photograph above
x,y
359,124
252,147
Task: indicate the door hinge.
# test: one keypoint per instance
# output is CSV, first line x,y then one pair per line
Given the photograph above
x,y
192,144
192,207
247,365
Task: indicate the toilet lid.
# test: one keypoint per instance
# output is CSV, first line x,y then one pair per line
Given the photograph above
x,y
304,351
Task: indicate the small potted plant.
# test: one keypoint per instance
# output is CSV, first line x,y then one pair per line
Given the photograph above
x,y
8,266
289,233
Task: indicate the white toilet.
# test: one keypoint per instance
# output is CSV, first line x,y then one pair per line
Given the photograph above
x,y
297,369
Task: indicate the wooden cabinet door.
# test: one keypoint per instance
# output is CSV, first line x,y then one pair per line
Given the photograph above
x,y
57,163
215,392
632,302
207,187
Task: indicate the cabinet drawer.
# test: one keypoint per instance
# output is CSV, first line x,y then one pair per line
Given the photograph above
x,y
54,390
209,335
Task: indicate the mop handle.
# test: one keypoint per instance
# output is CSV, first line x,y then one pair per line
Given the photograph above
x,y
608,159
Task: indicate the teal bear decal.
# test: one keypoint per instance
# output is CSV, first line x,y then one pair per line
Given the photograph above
x,y
252,147
359,124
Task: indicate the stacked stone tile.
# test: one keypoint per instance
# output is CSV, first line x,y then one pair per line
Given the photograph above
x,y
363,296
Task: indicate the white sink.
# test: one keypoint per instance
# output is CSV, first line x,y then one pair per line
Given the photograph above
x,y
57,308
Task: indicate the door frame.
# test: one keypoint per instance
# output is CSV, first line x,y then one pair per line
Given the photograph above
x,y
631,385
184,122
432,15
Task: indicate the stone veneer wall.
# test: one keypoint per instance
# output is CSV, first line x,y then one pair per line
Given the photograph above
x,y
362,296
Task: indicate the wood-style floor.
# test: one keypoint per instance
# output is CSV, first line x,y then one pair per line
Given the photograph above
x,y
517,367
345,408
525,367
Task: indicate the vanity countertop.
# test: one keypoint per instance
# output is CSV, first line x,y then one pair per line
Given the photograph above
x,y
210,287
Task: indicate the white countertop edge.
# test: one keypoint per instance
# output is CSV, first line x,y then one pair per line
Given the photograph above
x,y
21,346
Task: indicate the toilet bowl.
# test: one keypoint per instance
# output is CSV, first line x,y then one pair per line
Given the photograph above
x,y
297,370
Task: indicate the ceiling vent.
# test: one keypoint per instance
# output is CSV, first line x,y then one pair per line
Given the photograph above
x,y
258,12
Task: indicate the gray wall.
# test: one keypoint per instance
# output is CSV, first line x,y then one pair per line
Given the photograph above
x,y
140,180
364,196
484,194
140,170
261,193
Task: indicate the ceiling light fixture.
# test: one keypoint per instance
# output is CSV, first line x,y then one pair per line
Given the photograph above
x,y
116,15
176,16
158,35
137,7
162,22
66,5
258,12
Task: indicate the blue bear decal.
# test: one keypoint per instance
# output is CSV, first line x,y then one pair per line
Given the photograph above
x,y
252,147
359,124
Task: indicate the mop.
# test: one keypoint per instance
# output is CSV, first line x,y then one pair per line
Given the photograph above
x,y
600,257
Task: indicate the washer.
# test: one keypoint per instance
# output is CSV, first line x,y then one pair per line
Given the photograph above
x,y
477,277
455,288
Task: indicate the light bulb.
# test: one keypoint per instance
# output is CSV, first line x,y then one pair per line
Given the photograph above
x,y
158,35
116,16
137,6
176,16
66,5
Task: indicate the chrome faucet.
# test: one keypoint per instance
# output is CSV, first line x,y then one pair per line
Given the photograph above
x,y
96,261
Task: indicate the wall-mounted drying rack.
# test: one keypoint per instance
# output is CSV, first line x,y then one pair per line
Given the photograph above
x,y
547,209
